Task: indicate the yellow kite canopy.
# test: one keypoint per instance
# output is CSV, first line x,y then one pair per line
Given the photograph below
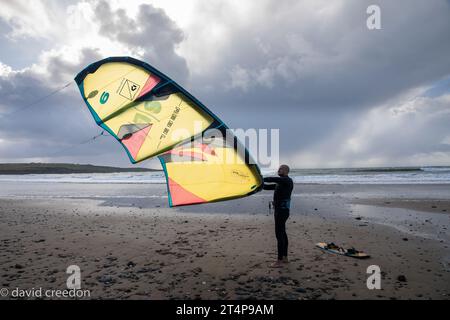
x,y
150,114
209,169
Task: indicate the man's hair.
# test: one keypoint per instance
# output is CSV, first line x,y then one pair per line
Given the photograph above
x,y
285,166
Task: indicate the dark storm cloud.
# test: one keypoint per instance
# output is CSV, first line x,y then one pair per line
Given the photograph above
x,y
152,30
54,124
54,128
333,61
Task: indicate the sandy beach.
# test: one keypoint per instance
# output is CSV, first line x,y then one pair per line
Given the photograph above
x,y
130,245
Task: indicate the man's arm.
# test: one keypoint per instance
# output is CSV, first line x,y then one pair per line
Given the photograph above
x,y
273,179
273,183
269,186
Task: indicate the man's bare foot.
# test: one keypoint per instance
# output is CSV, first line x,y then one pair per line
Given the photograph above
x,y
277,264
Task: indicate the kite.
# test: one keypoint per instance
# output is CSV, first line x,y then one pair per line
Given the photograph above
x,y
151,115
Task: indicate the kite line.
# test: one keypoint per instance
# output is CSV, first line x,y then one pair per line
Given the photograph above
x,y
40,100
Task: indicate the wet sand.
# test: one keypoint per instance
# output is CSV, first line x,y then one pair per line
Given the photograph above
x,y
137,248
432,205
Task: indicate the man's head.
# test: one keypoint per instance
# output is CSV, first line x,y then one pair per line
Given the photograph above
x,y
283,170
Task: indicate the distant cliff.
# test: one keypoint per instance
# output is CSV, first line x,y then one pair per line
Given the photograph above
x,y
61,168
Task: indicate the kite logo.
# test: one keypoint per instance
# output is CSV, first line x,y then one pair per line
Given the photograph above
x,y
128,89
239,174
170,122
104,97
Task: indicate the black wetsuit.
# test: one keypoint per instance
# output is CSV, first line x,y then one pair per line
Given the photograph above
x,y
281,201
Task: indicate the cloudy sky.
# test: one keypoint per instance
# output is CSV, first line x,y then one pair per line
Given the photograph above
x,y
341,94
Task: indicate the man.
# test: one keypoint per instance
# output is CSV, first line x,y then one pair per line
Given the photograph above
x,y
283,186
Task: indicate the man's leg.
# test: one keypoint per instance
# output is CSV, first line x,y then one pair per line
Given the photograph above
x,y
285,237
279,233
279,236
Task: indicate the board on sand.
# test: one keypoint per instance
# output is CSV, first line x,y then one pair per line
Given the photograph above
x,y
339,250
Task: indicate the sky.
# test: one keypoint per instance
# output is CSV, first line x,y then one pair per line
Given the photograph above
x,y
341,95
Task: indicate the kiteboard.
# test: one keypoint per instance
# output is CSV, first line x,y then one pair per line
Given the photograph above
x,y
352,252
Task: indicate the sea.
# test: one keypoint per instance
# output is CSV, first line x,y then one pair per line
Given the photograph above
x,y
382,175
